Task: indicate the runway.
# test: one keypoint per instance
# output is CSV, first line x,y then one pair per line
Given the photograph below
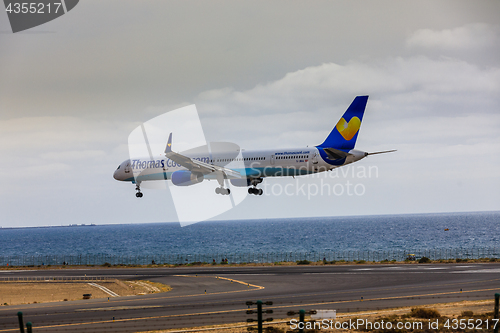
x,y
217,295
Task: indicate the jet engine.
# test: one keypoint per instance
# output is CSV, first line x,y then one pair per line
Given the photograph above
x,y
186,178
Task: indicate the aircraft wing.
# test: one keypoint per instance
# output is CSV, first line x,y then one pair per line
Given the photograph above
x,y
198,166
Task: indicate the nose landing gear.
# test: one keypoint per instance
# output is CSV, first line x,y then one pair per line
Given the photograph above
x,y
138,189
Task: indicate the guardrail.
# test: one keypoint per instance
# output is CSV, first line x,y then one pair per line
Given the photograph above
x,y
251,257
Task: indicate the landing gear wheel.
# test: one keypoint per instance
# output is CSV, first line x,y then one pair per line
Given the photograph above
x,y
255,191
223,191
138,195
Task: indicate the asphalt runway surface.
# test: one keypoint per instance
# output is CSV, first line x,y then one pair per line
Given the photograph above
x,y
346,288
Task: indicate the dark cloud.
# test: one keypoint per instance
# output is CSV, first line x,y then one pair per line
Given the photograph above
x,y
262,74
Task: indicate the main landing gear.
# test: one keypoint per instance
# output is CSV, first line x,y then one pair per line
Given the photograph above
x,y
138,189
255,190
223,191
221,177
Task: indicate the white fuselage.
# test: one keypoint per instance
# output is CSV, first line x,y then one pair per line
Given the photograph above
x,y
249,163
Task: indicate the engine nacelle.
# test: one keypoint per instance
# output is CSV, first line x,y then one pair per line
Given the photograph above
x,y
186,178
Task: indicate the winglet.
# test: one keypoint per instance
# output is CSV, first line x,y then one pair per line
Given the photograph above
x,y
168,148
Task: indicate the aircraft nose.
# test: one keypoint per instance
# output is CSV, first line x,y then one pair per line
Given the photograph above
x,y
115,175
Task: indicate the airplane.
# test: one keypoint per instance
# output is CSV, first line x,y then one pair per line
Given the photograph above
x,y
248,168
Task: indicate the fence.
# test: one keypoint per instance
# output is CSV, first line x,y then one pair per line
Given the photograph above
x,y
55,278
252,257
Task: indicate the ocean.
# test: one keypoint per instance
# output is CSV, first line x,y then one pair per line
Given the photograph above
x,y
309,235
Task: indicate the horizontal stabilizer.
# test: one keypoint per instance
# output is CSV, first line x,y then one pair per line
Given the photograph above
x,y
382,152
335,154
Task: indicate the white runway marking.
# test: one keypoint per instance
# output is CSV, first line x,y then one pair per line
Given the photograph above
x,y
491,270
115,308
106,290
402,268
246,274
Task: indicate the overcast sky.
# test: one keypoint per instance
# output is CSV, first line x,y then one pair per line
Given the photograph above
x,y
262,74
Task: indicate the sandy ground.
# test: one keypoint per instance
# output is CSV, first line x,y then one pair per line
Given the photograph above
x,y
449,310
13,293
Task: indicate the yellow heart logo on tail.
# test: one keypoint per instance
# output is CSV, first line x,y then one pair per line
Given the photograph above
x,y
348,130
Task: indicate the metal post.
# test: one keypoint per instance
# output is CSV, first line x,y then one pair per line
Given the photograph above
x,y
259,316
29,327
495,314
301,320
21,323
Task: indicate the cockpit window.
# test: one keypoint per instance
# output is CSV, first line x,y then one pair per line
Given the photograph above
x,y
118,167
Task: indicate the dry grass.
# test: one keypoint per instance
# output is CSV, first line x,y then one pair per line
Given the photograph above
x,y
450,310
425,313
14,293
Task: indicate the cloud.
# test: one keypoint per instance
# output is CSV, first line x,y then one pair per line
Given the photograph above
x,y
74,155
304,105
440,113
470,36
324,85
55,146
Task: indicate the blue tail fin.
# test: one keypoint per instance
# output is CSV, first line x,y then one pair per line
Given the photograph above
x,y
345,133
168,148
